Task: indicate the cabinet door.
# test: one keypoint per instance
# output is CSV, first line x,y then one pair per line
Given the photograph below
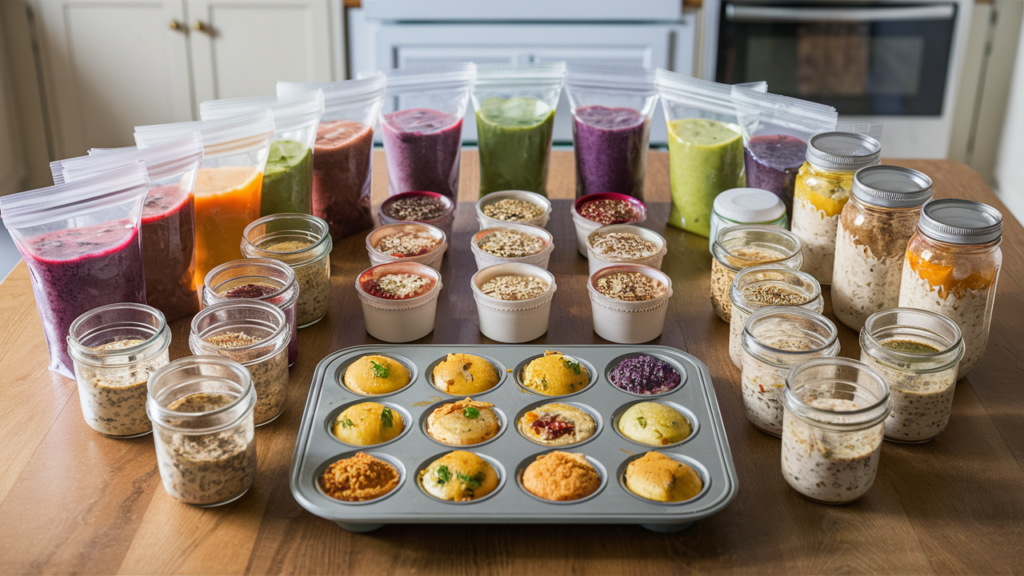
x,y
110,65
243,47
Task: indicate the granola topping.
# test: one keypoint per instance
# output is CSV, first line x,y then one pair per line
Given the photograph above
x,y
513,210
630,287
622,246
398,286
514,287
407,244
609,211
508,243
416,208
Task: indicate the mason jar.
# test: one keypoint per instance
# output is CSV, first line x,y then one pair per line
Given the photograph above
x,y
746,206
835,409
202,413
739,247
115,349
303,242
918,352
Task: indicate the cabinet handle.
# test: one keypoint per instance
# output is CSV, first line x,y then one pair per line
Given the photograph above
x,y
200,27
176,26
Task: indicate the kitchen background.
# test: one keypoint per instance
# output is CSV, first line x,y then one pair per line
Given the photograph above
x,y
945,77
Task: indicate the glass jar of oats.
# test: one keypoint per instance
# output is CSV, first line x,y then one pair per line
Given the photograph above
x,y
739,247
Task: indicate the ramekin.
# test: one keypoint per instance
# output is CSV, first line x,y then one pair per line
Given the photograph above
x,y
432,258
485,259
399,320
531,197
598,261
584,227
513,321
629,322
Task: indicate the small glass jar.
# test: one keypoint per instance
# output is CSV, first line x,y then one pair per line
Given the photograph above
x,y
739,247
918,353
201,408
952,267
832,430
774,340
770,285
871,240
304,243
115,349
822,189
746,206
254,334
257,279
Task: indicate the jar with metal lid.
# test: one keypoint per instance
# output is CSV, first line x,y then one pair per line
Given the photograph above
x,y
739,247
303,242
746,206
952,266
202,413
875,227
774,340
918,353
115,349
769,285
822,189
832,428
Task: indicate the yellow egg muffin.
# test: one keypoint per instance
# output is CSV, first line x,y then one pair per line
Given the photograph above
x,y
561,476
465,374
557,424
374,375
459,476
658,477
654,424
463,423
555,374
367,424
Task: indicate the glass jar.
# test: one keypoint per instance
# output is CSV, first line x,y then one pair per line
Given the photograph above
x,y
822,189
254,334
257,279
746,206
304,243
769,285
739,247
774,340
952,267
201,408
918,353
832,429
874,229
115,349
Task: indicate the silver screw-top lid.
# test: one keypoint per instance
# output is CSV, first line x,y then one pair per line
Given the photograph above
x,y
961,221
843,151
891,187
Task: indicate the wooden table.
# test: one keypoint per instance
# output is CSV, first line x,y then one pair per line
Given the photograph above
x,y
72,501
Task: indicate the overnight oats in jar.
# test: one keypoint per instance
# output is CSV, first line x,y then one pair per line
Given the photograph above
x,y
202,413
774,340
399,300
604,209
832,430
115,349
739,247
918,353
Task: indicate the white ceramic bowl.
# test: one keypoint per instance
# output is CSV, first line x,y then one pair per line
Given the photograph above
x,y
485,259
444,222
531,197
513,321
432,258
584,226
598,261
399,320
629,322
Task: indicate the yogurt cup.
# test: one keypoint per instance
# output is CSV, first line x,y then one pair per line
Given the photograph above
x,y
531,197
584,226
444,222
625,322
485,259
432,258
399,320
598,261
513,321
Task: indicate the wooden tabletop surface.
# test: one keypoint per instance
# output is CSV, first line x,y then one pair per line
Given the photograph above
x,y
72,501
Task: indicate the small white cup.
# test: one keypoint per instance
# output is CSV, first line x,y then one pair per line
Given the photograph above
x,y
485,259
629,322
399,320
584,226
598,261
432,258
513,321
531,197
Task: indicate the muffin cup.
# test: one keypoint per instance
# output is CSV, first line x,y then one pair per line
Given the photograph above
x,y
444,222
400,320
531,197
584,227
432,258
513,321
629,322
598,262
484,259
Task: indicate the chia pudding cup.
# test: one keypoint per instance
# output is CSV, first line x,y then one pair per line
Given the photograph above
x,y
304,243
541,258
399,320
115,349
918,352
739,247
629,322
532,197
598,261
432,258
444,222
585,226
835,409
513,321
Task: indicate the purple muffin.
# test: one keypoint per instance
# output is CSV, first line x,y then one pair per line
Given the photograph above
x,y
645,375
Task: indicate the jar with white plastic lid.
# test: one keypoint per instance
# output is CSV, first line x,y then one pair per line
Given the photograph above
x,y
746,206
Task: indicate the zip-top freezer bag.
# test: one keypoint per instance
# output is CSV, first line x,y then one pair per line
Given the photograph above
x,y
343,152
288,175
515,117
611,126
421,126
80,241
168,216
228,185
775,134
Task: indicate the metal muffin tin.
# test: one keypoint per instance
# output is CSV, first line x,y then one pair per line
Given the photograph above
x,y
707,450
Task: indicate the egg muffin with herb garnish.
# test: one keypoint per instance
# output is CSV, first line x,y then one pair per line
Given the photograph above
x,y
555,374
459,476
375,374
463,423
463,374
367,424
